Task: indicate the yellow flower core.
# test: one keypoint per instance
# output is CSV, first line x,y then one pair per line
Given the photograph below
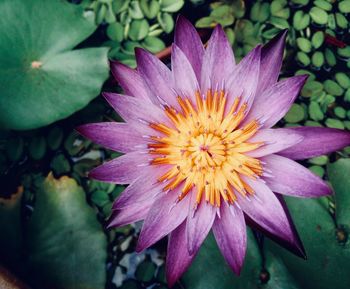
x,y
206,148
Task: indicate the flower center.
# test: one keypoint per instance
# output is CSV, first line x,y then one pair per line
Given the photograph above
x,y
207,148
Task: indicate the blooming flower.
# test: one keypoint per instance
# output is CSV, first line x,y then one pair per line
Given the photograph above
x,y
199,150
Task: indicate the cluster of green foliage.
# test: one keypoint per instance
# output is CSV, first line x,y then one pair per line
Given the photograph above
x,y
134,24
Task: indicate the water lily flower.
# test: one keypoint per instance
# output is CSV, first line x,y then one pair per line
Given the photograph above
x,y
200,152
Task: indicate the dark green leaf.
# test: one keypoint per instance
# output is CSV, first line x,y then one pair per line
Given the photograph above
x,y
37,147
338,173
326,256
11,237
218,274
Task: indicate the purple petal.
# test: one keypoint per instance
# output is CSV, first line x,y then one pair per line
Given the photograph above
x,y
164,216
271,61
244,80
112,135
144,187
131,108
218,61
185,80
131,214
291,178
187,38
275,140
231,236
199,223
178,259
317,141
129,80
296,248
275,102
157,76
265,209
122,170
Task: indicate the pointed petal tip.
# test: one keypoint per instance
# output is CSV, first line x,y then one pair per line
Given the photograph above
x,y
171,278
81,129
116,65
237,270
219,28
303,77
106,95
140,247
139,52
92,174
95,174
298,249
182,20
110,220
109,96
283,34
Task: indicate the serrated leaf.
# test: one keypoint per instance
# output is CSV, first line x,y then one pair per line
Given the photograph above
x,y
66,244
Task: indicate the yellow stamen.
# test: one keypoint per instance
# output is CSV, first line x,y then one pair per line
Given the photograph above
x,y
207,148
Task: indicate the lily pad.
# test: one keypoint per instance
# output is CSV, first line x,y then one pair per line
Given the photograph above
x,y
218,274
325,254
11,238
66,244
41,78
253,276
338,173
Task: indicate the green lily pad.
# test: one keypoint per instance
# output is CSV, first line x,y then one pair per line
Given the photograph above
x,y
219,275
11,238
338,173
279,276
66,244
326,256
41,79
253,275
